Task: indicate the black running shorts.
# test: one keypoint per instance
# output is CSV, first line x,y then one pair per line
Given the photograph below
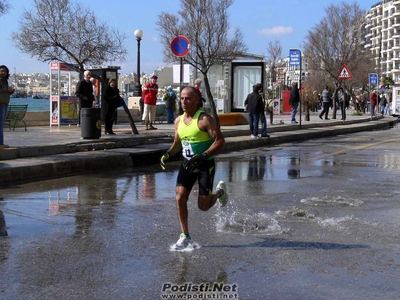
x,y
204,174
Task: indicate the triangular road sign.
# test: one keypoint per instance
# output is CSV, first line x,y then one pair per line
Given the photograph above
x,y
345,73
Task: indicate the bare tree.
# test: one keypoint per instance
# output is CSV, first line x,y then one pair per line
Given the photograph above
x,y
274,55
4,7
205,24
59,30
335,41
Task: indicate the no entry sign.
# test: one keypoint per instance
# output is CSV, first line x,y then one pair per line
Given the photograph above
x,y
180,46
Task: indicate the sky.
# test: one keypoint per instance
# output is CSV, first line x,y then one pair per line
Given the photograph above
x,y
261,21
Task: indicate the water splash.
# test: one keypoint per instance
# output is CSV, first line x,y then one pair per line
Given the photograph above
x,y
329,200
334,222
189,248
245,223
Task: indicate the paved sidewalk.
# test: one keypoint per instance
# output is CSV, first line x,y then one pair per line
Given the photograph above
x,y
44,152
45,135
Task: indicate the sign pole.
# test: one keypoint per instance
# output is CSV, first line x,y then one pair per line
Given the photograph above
x,y
180,46
295,61
181,77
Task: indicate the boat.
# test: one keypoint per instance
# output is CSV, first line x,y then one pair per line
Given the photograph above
x,y
39,96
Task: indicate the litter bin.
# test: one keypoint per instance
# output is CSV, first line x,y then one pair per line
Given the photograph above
x,y
90,123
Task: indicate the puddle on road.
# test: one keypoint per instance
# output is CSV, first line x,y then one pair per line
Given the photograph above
x,y
52,200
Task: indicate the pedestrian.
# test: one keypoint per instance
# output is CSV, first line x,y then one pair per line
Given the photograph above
x,y
141,107
382,104
5,92
262,113
344,102
294,101
326,102
96,89
170,100
254,106
374,102
112,101
149,95
388,107
199,139
84,91
197,85
358,101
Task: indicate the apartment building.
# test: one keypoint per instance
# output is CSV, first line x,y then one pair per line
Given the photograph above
x,y
382,37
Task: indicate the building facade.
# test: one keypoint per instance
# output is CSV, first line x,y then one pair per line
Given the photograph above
x,y
382,37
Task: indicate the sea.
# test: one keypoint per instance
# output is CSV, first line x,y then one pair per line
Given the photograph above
x,y
35,104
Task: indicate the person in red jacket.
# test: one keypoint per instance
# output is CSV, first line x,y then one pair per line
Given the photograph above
x,y
374,102
149,96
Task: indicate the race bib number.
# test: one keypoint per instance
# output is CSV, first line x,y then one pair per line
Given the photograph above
x,y
187,150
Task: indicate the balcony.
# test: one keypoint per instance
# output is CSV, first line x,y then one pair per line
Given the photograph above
x,y
396,14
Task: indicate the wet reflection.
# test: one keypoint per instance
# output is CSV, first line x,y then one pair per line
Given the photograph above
x,y
256,168
294,171
3,229
188,265
148,186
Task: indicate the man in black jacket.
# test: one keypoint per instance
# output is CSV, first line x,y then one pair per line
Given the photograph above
x,y
255,106
294,101
84,91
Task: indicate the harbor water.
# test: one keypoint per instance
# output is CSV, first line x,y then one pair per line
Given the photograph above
x,y
34,104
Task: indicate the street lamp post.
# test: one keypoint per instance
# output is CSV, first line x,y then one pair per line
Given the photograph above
x,y
138,88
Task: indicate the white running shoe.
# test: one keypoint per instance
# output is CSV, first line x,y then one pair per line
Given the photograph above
x,y
223,199
254,136
183,242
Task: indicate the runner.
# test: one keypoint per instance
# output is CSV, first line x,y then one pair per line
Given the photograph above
x,y
199,138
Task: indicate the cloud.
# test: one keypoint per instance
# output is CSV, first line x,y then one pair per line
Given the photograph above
x,y
276,30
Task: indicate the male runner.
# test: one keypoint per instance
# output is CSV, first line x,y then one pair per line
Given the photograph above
x,y
199,138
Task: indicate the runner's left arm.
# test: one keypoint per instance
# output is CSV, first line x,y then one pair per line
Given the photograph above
x,y
207,123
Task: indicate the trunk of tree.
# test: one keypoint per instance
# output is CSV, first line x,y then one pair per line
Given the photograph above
x,y
211,100
335,99
131,122
307,113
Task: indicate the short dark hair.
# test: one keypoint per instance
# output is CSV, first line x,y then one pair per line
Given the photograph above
x,y
193,89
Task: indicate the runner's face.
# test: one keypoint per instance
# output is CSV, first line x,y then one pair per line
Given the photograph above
x,y
189,100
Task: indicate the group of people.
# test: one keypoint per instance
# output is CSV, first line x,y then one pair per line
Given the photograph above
x,y
112,99
5,93
255,105
379,103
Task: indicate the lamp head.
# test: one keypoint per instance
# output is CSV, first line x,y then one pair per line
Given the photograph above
x,y
138,33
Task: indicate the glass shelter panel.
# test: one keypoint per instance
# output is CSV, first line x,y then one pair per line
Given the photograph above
x,y
244,77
